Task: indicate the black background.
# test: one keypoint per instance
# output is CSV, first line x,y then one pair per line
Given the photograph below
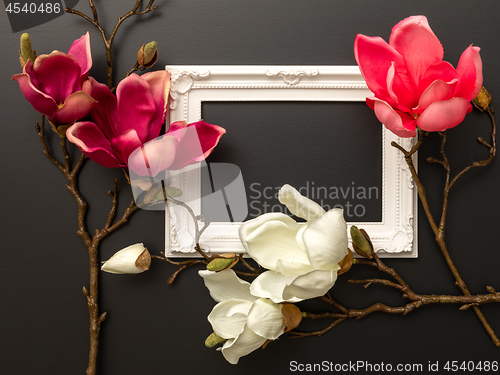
x,y
153,328
309,145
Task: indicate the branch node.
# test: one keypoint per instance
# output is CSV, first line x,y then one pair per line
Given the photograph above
x,y
491,290
466,307
103,316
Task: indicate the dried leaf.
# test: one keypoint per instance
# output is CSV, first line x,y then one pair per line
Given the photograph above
x,y
265,344
144,260
346,263
292,316
483,99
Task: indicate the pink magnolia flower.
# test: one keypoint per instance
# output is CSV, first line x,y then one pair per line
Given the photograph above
x,y
55,84
182,145
411,83
123,126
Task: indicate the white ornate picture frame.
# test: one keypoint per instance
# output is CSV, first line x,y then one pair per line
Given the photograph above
x,y
394,236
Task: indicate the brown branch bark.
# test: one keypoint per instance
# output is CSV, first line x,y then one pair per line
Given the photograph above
x,y
108,42
415,300
439,231
91,242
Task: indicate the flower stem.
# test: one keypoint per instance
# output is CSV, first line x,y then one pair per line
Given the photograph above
x,y
91,242
439,231
108,42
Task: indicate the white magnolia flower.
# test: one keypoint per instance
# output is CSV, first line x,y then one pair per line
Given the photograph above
x,y
245,321
302,258
132,259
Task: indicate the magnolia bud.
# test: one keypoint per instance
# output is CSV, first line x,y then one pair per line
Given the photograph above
x,y
156,193
147,55
213,339
361,244
483,99
222,262
26,52
132,259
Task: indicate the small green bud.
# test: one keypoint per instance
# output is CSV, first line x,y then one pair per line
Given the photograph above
x,y
361,244
213,339
26,50
220,264
147,55
173,192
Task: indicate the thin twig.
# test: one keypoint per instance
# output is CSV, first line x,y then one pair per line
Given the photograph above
x,y
108,42
40,128
415,300
135,68
439,231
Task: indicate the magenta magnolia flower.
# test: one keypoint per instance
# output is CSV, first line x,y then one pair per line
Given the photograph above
x,y
128,122
411,83
55,83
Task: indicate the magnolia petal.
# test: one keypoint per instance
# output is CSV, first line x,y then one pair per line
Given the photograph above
x,y
417,43
159,82
76,106
123,261
242,307
470,69
125,143
225,321
325,240
289,268
271,237
314,284
197,141
136,107
93,143
440,116
272,285
299,205
104,114
58,75
225,286
40,101
442,71
374,57
436,92
401,92
155,156
175,129
265,319
80,49
244,344
399,123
